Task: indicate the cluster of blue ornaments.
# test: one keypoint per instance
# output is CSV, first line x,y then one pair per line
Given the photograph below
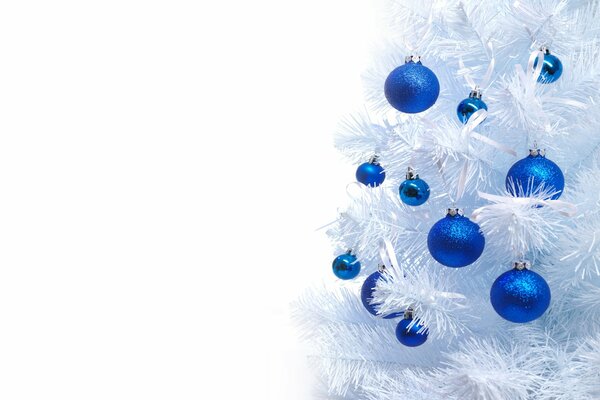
x,y
414,191
411,336
518,295
346,266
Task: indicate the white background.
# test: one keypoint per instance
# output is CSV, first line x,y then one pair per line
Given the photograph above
x,y
164,166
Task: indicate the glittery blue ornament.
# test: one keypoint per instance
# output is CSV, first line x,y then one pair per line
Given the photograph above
x,y
410,336
370,173
468,106
366,294
455,241
412,87
520,295
533,174
414,191
552,68
346,266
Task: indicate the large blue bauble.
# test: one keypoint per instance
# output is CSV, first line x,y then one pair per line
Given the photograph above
x,y
412,88
551,70
535,173
366,294
455,241
414,192
410,337
346,266
468,106
520,295
370,174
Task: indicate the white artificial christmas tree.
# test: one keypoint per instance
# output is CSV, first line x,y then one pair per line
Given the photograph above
x,y
498,48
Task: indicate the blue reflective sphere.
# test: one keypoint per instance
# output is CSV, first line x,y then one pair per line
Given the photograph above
x,y
520,295
412,88
551,70
370,174
468,106
534,174
410,337
346,266
455,241
414,192
366,294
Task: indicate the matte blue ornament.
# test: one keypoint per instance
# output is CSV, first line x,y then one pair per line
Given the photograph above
x,y
346,266
414,191
552,68
410,336
370,173
455,241
533,174
520,295
366,293
470,105
412,87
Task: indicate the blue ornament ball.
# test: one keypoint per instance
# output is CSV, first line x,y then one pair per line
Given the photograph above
x,y
414,192
520,295
533,174
366,294
551,70
370,174
455,241
468,107
346,266
412,88
410,336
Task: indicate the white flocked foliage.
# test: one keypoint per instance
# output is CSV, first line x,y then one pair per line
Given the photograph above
x,y
471,352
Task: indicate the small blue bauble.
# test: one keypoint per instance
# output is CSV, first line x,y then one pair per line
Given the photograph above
x,y
533,174
412,88
410,337
414,192
346,266
468,106
370,174
551,70
520,295
366,294
455,241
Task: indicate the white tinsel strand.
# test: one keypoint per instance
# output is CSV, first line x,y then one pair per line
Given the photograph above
x,y
489,370
430,294
518,226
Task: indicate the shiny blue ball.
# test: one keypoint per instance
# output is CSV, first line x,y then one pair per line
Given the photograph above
x,y
370,174
366,294
346,266
520,295
551,70
414,192
410,337
455,241
412,88
468,106
533,174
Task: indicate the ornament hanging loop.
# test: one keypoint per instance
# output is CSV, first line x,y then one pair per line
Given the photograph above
x,y
521,265
476,93
411,58
453,211
411,174
535,150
